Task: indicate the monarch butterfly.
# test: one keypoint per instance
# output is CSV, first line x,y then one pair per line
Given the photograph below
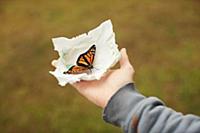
x,y
84,62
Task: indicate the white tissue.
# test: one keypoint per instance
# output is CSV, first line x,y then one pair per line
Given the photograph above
x,y
106,56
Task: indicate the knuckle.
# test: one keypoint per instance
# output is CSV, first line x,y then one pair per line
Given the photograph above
x,y
130,69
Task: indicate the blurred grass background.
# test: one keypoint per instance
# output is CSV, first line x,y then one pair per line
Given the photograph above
x,y
163,42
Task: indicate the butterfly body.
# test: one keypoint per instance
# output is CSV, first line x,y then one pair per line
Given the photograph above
x,y
84,62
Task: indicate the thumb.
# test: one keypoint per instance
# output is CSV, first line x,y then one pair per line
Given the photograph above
x,y
124,58
124,61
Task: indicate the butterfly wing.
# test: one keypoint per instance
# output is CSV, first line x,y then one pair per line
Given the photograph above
x,y
77,70
84,62
86,59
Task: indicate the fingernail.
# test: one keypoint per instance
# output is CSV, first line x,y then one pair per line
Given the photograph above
x,y
123,49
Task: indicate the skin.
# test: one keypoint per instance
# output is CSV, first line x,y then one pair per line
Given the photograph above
x,y
100,91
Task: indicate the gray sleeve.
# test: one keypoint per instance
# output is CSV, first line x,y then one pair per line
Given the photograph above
x,y
135,113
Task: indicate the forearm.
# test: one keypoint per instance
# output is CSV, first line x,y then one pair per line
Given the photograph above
x,y
134,112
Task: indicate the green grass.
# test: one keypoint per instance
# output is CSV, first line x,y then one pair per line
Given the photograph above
x,y
162,38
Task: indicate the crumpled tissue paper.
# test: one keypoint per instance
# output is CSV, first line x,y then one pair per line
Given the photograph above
x,y
106,56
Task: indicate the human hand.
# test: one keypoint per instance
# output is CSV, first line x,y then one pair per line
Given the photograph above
x,y
100,91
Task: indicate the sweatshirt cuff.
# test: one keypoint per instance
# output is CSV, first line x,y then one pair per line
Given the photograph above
x,y
120,105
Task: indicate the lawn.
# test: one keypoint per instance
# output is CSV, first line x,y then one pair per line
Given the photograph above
x,y
163,42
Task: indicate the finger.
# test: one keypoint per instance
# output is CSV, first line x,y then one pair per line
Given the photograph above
x,y
124,61
54,63
107,74
77,84
81,84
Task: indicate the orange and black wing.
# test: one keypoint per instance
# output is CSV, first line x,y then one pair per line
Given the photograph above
x,y
86,59
84,62
77,70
